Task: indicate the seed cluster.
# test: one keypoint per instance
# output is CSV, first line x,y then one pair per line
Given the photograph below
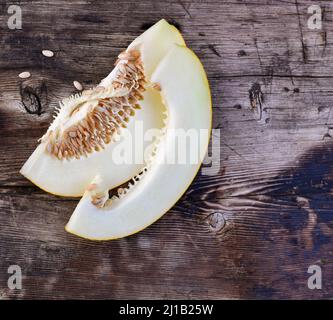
x,y
107,116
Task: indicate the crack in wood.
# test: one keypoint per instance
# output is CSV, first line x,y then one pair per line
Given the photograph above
x,y
184,8
304,48
214,50
258,53
324,37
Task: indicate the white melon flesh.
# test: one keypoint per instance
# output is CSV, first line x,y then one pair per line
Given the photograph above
x,y
154,44
70,177
185,92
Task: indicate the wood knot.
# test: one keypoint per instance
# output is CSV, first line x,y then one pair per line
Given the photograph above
x,y
255,95
33,97
216,221
256,99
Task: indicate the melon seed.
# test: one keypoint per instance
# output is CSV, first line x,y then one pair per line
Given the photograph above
x,y
77,85
24,75
48,53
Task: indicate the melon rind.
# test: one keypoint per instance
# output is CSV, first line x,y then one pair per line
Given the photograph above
x,y
71,177
186,93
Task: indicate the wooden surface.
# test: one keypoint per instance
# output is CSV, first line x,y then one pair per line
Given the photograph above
x,y
250,231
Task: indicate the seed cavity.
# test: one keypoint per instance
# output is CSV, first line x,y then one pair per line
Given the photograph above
x,y
107,112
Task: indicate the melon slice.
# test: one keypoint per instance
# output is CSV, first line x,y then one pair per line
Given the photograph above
x,y
81,142
185,93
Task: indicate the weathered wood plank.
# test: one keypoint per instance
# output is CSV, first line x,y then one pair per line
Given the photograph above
x,y
249,231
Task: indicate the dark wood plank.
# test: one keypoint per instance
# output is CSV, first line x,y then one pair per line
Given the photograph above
x,y
252,229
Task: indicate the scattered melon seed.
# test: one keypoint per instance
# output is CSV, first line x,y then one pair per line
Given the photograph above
x,y
157,86
48,53
24,75
92,186
77,85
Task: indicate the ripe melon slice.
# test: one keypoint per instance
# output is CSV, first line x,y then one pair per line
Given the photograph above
x,y
185,92
81,142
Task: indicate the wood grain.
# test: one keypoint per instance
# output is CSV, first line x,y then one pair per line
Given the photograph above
x,y
252,229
